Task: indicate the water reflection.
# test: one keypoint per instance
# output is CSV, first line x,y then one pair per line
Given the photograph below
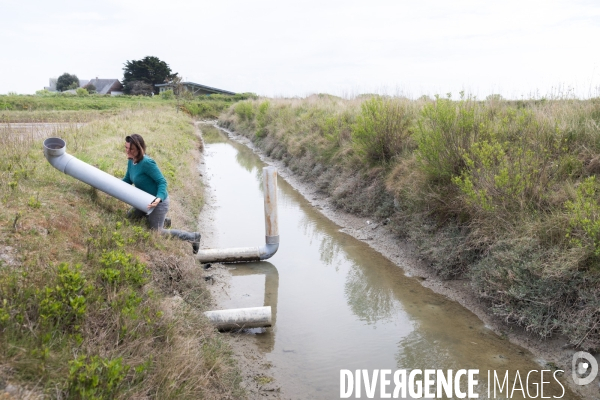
x,y
330,252
210,134
249,162
271,292
246,159
367,297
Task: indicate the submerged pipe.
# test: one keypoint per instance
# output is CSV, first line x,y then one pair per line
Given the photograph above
x,y
240,318
243,254
55,151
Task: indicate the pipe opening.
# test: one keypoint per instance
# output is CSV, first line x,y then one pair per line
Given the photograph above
x,y
54,147
54,144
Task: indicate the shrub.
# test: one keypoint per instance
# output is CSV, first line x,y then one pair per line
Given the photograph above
x,y
584,217
90,88
382,129
191,108
95,377
261,118
167,95
445,130
494,97
512,277
119,267
34,202
64,303
45,93
515,160
244,110
82,92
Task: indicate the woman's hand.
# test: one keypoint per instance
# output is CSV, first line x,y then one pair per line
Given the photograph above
x,y
154,203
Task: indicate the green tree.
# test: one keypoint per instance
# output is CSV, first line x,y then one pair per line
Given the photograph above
x,y
90,88
149,70
66,82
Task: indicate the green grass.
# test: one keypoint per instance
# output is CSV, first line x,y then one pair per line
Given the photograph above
x,y
87,306
50,107
73,102
502,193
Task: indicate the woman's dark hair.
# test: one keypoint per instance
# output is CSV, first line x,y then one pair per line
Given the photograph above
x,y
138,142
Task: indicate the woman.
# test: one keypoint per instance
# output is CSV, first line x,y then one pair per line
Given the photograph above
x,y
143,172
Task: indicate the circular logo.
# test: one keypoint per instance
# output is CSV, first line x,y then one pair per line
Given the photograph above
x,y
585,368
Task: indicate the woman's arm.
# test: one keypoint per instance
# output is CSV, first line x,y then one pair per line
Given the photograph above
x,y
154,173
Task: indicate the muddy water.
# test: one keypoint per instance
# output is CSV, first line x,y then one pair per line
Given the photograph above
x,y
337,304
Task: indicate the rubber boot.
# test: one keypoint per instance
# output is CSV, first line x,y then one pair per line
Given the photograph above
x,y
196,242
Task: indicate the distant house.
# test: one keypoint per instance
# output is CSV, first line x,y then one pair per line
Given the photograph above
x,y
195,88
52,86
106,86
103,86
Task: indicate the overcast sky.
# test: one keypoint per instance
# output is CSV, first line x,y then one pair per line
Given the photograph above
x,y
518,48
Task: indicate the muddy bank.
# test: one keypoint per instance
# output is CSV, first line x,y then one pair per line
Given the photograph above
x,y
380,238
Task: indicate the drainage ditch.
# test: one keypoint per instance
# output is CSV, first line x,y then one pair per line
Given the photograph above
x,y
338,304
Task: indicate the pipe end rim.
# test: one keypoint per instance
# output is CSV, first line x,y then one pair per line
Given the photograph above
x,y
55,147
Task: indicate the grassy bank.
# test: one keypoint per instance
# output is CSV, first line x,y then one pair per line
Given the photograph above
x,y
501,193
91,305
61,107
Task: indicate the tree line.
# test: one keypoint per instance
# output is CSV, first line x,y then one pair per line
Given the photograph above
x,y
139,77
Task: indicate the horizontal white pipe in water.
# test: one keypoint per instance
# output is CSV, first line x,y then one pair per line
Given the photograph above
x,y
241,254
55,151
240,318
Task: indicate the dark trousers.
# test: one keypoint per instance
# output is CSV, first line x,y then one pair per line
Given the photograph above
x,y
156,221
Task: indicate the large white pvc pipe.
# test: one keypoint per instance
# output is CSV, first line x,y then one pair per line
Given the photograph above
x,y
241,254
55,151
240,318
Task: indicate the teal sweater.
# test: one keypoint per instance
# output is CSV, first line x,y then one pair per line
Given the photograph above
x,y
146,176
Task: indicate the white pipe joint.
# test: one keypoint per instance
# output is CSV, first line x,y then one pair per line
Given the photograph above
x,y
246,254
55,151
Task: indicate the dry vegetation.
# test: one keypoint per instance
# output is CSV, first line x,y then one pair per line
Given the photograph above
x,y
503,193
91,305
